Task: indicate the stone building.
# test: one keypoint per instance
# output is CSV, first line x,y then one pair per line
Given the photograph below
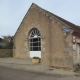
x,y
48,36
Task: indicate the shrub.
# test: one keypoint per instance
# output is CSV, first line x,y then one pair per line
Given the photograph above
x,y
36,58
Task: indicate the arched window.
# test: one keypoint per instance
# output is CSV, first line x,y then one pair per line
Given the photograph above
x,y
35,40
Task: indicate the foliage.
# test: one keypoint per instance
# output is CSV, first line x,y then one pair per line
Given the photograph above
x,y
1,39
36,58
7,42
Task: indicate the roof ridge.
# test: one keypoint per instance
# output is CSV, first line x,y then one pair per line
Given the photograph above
x,y
54,14
66,22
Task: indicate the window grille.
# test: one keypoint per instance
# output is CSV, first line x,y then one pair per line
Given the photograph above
x,y
35,40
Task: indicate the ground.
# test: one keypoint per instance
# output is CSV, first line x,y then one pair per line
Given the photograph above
x,y
17,69
14,74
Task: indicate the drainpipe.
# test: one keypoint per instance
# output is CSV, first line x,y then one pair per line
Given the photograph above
x,y
71,31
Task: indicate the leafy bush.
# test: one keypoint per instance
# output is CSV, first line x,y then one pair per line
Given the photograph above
x,y
36,58
6,42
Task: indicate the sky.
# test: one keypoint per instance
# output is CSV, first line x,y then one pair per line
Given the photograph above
x,y
13,11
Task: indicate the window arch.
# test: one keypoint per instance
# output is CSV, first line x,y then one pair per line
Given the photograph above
x,y
34,33
35,40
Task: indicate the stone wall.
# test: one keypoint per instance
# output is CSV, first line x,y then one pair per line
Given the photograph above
x,y
6,53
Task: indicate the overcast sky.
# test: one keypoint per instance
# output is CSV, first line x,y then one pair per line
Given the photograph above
x,y
13,11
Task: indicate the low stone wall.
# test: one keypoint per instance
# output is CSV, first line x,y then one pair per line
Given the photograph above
x,y
6,53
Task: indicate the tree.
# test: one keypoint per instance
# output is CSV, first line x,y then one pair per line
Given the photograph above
x,y
8,40
1,39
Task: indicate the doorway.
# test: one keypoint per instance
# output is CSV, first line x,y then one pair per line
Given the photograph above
x,y
35,43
